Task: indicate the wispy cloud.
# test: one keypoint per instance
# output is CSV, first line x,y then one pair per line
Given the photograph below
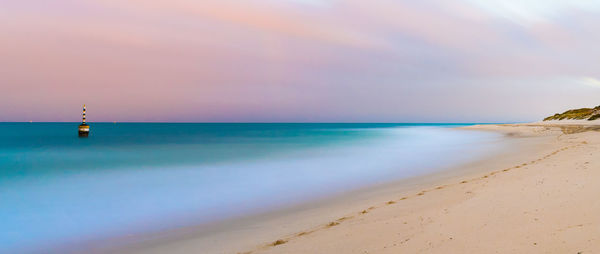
x,y
527,12
589,81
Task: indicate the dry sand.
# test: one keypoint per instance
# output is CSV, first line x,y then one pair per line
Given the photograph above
x,y
541,196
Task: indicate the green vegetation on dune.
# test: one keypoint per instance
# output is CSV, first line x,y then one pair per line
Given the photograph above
x,y
594,117
577,114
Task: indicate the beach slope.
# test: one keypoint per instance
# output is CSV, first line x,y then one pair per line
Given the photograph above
x,y
539,199
546,204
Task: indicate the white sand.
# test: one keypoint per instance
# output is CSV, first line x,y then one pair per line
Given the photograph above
x,y
538,197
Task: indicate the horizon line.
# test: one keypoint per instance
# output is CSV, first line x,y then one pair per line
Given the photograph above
x,y
300,122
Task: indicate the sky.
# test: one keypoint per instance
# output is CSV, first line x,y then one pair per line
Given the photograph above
x,y
297,60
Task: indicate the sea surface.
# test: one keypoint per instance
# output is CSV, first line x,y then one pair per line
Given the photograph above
x,y
58,190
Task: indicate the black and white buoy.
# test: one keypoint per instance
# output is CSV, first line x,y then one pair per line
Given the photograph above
x,y
84,128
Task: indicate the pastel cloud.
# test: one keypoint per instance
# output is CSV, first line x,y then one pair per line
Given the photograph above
x,y
295,60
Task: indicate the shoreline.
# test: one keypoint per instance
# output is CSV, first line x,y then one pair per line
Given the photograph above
x,y
272,231
125,216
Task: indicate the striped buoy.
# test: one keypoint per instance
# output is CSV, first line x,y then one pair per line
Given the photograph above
x,y
84,128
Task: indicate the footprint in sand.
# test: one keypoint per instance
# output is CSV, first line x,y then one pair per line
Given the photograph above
x,y
278,242
333,224
343,219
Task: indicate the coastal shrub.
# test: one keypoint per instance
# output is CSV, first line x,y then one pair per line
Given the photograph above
x,y
576,114
594,117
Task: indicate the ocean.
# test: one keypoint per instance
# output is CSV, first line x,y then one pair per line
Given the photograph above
x,y
125,179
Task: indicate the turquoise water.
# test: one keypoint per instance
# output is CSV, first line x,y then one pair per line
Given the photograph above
x,y
58,190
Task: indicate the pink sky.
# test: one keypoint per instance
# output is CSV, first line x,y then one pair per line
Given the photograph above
x,y
297,60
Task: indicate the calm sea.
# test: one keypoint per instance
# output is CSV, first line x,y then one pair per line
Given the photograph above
x,y
126,178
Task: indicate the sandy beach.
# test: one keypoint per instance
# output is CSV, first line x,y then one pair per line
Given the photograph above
x,y
299,126
538,196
